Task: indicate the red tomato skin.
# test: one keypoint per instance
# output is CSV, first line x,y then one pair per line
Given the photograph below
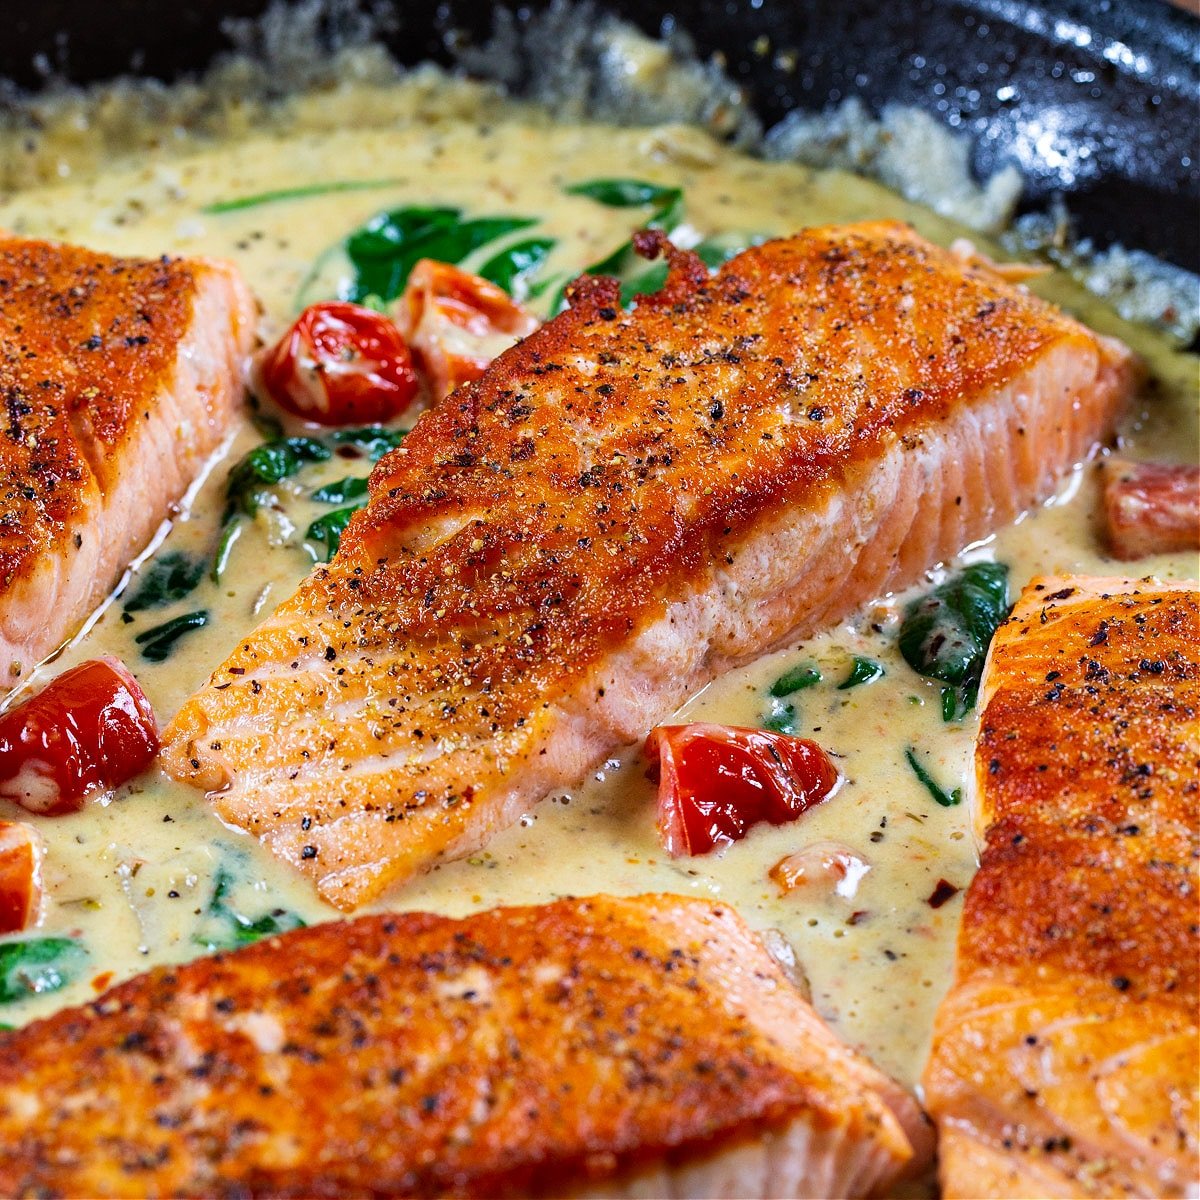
x,y
716,781
341,364
20,876
88,731
457,323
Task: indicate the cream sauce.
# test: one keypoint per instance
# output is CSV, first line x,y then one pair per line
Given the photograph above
x,y
133,877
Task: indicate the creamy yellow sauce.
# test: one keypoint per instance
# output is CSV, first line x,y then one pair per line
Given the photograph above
x,y
133,877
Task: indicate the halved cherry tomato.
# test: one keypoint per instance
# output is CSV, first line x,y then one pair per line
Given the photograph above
x,y
88,731
715,781
20,875
457,323
827,868
341,364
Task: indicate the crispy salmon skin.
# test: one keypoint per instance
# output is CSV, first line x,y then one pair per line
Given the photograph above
x,y
625,504
1064,1058
119,377
647,1043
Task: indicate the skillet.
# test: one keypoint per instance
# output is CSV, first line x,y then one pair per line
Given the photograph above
x,y
1094,101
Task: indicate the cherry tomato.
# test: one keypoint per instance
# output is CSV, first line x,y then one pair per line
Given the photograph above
x,y
457,323
87,732
20,875
828,868
341,364
715,781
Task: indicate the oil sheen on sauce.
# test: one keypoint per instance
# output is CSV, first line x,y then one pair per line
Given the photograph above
x,y
133,878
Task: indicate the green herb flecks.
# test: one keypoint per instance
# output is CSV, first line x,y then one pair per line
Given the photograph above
x,y
383,252
781,718
251,478
38,965
301,192
168,578
224,928
158,644
945,635
862,670
341,491
514,267
944,798
329,528
798,678
373,440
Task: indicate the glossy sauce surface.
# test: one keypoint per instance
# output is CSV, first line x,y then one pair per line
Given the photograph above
x,y
134,878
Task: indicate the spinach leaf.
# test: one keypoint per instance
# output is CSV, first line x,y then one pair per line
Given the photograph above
x,y
230,532
803,676
38,965
945,635
330,527
158,643
169,577
956,704
721,247
636,278
353,487
373,440
224,928
645,284
623,193
862,670
512,267
781,718
301,192
384,252
944,798
265,466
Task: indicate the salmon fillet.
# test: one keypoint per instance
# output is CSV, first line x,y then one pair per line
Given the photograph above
x,y
119,377
623,506
1065,1056
617,1045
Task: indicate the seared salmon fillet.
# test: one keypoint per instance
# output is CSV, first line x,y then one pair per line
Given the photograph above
x,y
624,505
647,1045
1065,1055
119,378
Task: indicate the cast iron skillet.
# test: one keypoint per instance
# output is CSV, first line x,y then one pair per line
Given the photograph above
x,y
1094,99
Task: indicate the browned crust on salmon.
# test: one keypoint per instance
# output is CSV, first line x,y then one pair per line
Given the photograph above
x,y
113,394
518,1051
1064,1059
624,505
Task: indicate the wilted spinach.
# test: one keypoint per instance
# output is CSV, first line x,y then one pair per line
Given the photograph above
x,y
37,965
353,487
158,643
945,635
862,670
513,267
329,528
373,440
224,928
168,578
803,676
385,250
250,478
931,785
